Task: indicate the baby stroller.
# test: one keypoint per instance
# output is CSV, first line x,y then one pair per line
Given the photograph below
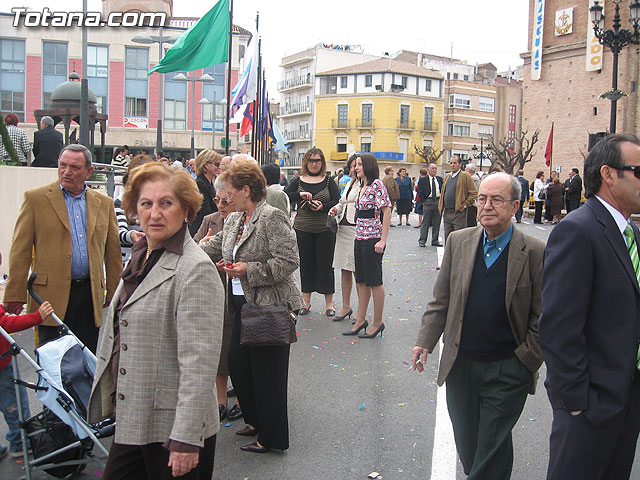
x,y
60,437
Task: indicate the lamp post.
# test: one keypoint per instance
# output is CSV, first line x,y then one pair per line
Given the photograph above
x,y
616,40
482,149
214,116
146,39
206,78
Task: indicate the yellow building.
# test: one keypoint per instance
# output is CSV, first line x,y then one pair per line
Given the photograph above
x,y
385,106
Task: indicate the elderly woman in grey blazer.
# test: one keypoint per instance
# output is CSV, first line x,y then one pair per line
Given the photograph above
x,y
160,343
254,236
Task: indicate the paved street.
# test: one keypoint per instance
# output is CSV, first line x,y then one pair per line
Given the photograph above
x,y
354,407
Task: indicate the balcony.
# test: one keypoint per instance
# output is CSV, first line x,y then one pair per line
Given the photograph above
x,y
338,156
295,82
431,127
295,109
368,124
300,135
408,125
339,123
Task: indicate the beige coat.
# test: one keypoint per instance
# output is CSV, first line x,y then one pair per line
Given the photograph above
x,y
170,336
466,191
270,239
445,312
43,227
392,187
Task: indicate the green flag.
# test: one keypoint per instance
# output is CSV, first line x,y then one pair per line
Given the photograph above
x,y
206,43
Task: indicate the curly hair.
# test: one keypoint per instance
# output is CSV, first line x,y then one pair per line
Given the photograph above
x,y
243,172
180,182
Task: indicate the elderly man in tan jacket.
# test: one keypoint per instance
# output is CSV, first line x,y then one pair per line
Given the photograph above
x,y
458,194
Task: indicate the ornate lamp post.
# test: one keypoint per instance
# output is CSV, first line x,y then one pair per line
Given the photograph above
x,y
181,77
616,40
482,149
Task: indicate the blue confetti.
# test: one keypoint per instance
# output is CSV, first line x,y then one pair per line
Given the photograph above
x,y
362,406
228,424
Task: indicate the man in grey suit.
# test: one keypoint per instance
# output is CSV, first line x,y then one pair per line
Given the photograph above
x,y
491,351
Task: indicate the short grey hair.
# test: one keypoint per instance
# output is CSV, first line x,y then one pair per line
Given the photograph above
x,y
243,156
516,188
77,147
471,166
219,184
47,120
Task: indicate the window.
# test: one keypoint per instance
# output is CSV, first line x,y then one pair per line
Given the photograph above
x,y
459,100
12,77
404,114
466,77
427,84
342,144
54,69
459,129
485,131
486,104
365,144
455,76
367,114
135,84
343,115
175,114
428,118
404,82
512,114
368,80
343,82
98,73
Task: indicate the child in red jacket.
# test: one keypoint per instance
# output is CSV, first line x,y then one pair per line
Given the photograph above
x,y
8,401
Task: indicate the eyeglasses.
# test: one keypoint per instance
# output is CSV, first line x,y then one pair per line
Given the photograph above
x,y
634,168
220,201
497,202
314,160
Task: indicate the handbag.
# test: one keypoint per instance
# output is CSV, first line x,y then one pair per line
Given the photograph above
x,y
332,224
542,195
267,325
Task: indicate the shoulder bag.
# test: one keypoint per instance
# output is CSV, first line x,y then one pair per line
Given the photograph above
x,y
267,325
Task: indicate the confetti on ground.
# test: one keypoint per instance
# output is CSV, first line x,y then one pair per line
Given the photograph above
x,y
405,362
401,404
374,475
362,406
333,365
532,419
98,473
228,424
312,356
317,348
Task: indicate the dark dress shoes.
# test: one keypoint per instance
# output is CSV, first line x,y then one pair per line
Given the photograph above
x,y
436,244
223,411
235,413
247,431
255,448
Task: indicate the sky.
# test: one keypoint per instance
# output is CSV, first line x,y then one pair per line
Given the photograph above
x,y
473,30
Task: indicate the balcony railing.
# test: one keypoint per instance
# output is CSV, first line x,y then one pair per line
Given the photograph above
x,y
431,127
408,125
295,108
339,123
360,123
295,82
297,135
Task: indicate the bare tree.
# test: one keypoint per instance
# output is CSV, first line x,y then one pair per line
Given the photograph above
x,y
428,153
511,155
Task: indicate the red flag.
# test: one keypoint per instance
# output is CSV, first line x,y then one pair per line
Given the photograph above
x,y
247,120
549,150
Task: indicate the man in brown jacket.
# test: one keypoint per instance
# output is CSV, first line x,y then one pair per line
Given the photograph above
x,y
392,187
486,302
458,193
74,233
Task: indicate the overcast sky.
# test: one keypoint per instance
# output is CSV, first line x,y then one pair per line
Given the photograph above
x,y
472,30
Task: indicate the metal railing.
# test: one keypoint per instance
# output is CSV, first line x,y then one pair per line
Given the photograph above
x,y
294,108
408,125
337,123
431,127
105,177
295,82
360,123
300,134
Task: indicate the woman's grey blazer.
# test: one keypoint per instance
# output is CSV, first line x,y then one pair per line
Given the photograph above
x,y
170,337
268,238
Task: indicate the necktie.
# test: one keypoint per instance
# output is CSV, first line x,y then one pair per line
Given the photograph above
x,y
632,247
433,187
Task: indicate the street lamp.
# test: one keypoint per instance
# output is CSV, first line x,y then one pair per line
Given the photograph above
x,y
616,40
214,116
146,39
482,149
206,78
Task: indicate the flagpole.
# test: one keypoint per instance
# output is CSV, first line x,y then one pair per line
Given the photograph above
x,y
551,156
265,132
257,104
226,138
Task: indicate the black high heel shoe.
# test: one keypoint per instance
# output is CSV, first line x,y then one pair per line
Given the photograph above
x,y
372,335
352,332
342,317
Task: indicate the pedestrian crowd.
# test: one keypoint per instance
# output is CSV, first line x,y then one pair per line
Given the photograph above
x,y
209,293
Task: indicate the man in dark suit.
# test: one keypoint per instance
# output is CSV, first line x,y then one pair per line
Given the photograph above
x,y
590,321
572,190
486,300
47,143
524,196
429,188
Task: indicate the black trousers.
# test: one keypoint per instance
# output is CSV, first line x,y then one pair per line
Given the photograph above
x,y
572,204
519,212
316,261
579,449
138,462
430,218
547,212
78,317
537,217
260,376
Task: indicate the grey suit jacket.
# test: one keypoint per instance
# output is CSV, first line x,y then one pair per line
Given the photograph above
x,y
445,312
170,337
270,239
